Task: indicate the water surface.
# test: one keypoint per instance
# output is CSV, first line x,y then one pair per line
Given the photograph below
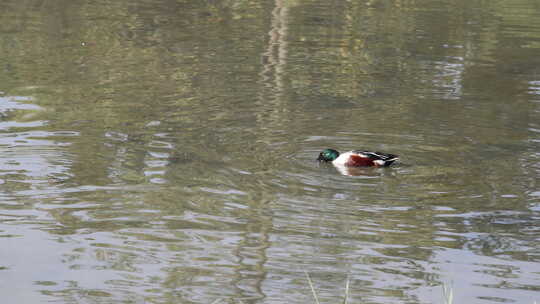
x,y
164,151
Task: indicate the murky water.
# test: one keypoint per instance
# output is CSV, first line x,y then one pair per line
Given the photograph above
x,y
164,151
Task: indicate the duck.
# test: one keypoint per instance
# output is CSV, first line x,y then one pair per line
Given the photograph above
x,y
357,158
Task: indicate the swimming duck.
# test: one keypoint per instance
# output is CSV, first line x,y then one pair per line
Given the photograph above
x,y
357,158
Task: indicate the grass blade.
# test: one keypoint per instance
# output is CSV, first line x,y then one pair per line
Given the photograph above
x,y
346,291
448,294
312,288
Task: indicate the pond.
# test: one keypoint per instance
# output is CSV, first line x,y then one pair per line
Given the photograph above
x,y
164,151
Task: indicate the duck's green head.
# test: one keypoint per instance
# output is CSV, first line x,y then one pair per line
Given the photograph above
x,y
328,155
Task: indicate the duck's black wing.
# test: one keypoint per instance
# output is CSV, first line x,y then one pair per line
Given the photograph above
x,y
387,158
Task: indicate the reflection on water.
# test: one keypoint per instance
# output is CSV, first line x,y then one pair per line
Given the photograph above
x,y
164,152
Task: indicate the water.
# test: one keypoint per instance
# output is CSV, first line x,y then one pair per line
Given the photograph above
x,y
164,151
